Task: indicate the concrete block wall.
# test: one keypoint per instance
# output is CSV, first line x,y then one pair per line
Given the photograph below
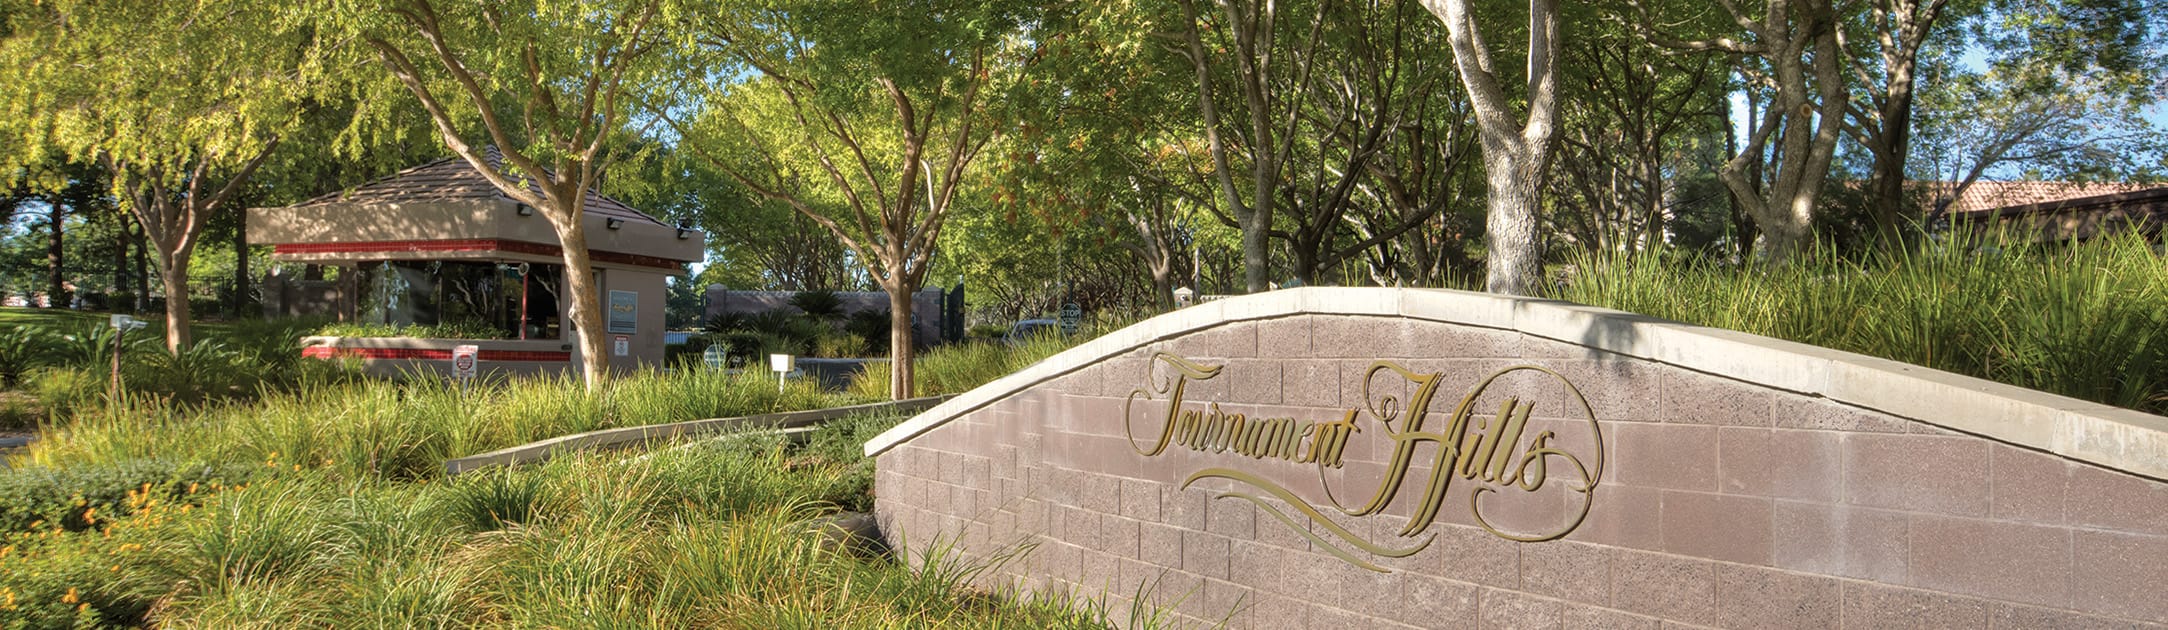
x,y
1722,503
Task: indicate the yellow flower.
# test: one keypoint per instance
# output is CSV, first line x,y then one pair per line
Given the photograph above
x,y
70,598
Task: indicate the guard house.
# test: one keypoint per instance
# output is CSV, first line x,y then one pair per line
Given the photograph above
x,y
438,248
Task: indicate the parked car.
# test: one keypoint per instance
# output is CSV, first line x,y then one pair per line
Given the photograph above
x,y
1029,328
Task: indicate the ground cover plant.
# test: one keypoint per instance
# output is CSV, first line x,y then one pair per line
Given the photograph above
x,y
2088,320
713,534
57,361
958,367
324,505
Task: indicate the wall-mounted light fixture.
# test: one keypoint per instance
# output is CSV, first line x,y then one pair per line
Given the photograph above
x,y
613,223
684,230
525,210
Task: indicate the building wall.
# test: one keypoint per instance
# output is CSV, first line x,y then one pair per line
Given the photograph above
x,y
1737,481
647,339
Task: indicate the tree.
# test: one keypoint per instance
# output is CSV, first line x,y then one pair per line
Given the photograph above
x,y
1979,124
1896,32
179,102
1516,156
551,83
761,244
865,120
1266,75
1779,171
1632,109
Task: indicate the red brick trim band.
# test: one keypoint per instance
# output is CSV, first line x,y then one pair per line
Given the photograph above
x,y
470,245
429,354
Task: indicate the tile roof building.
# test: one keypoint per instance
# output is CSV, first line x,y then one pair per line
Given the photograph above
x,y
438,246
2057,211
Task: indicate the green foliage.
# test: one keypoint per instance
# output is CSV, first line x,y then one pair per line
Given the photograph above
x,y
493,499
2086,320
381,430
72,368
822,305
872,326
21,348
711,534
751,337
960,367
80,497
465,329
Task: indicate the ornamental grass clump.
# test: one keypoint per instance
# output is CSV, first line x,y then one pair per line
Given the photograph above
x,y
2086,320
960,367
405,430
717,533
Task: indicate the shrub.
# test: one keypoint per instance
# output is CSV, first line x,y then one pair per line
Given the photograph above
x,y
872,326
839,346
21,348
461,329
822,305
80,497
91,346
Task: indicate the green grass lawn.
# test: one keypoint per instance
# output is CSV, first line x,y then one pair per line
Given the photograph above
x,y
70,319
21,316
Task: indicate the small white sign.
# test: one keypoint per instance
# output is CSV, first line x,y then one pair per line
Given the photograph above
x,y
782,362
621,345
126,323
464,361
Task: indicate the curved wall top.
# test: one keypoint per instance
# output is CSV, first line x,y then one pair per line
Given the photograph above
x,y
2103,435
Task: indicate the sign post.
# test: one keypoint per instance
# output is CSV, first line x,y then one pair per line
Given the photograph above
x,y
716,356
1071,316
121,325
782,364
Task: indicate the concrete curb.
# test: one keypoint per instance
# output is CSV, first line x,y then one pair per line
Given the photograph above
x,y
2113,437
540,451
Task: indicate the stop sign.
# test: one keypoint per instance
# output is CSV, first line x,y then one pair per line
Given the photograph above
x,y
463,359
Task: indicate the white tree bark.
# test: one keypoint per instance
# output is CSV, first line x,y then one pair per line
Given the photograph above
x,y
1515,155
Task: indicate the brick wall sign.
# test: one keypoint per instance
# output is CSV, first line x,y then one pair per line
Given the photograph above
x,y
1326,457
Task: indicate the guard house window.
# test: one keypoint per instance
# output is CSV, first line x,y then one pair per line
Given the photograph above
x,y
498,300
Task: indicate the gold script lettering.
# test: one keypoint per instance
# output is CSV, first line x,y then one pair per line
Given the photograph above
x,y
1487,452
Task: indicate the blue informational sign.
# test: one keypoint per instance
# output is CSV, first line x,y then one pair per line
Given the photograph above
x,y
624,311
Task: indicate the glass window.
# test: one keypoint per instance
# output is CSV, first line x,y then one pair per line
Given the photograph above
x,y
516,300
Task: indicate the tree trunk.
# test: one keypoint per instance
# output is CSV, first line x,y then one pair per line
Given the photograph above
x,y
173,273
142,269
1887,194
240,268
120,265
900,351
1515,153
56,292
586,303
1515,260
